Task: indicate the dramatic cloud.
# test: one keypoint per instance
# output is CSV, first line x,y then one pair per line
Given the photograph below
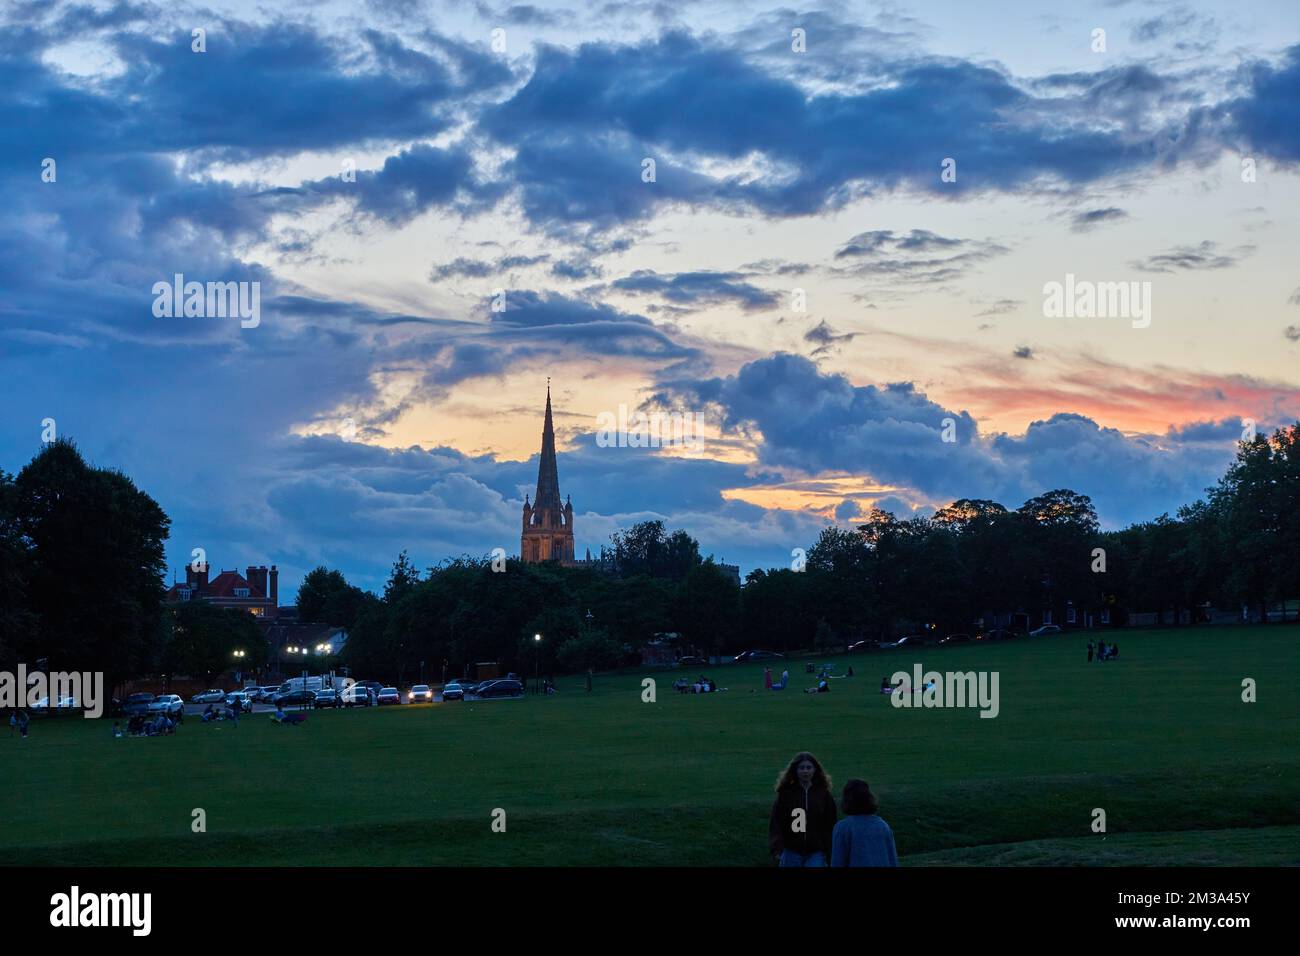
x,y
699,289
1186,258
809,422
1091,218
920,256
825,338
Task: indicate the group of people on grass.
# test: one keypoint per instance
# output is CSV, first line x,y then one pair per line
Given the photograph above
x,y
149,725
822,686
1104,651
19,721
804,829
228,712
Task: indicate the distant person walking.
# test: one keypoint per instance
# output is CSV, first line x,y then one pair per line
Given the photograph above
x,y
803,814
589,673
862,838
767,678
23,721
1090,650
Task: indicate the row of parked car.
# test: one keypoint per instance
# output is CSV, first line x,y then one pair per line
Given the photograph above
x,y
359,694
922,640
511,686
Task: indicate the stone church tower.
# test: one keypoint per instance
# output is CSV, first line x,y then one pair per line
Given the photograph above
x,y
548,525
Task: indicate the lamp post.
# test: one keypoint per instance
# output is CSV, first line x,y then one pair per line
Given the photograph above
x,y
537,662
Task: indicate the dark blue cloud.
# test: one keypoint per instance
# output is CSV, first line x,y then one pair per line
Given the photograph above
x,y
1267,118
679,93
699,289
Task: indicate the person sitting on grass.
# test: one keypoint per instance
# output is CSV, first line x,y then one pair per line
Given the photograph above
x,y
823,687
862,838
785,679
803,814
1114,651
885,686
117,730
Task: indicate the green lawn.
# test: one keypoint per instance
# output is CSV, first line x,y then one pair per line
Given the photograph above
x,y
1186,772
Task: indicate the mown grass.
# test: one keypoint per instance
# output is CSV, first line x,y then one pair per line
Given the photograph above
x,y
1161,740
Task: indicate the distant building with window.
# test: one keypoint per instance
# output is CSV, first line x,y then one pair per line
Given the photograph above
x,y
257,591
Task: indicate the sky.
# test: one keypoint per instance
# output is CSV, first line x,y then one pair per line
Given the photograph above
x,y
837,264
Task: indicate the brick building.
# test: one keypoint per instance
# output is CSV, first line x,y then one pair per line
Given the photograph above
x,y
257,591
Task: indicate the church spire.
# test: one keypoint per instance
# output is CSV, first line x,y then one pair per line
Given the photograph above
x,y
548,476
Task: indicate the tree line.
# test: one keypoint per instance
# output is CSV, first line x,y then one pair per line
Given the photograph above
x,y
82,571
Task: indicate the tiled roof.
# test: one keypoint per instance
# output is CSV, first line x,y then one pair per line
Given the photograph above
x,y
224,584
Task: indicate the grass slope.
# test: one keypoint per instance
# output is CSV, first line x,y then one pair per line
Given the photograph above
x,y
1186,772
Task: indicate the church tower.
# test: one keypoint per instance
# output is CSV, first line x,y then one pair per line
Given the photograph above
x,y
548,524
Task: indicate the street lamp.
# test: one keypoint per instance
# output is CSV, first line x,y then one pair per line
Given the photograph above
x,y
537,662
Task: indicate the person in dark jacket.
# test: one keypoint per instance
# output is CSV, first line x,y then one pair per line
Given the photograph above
x,y
862,838
803,814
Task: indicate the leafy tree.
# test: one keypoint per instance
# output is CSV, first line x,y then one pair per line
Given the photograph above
x,y
647,549
708,607
204,639
325,597
594,649
95,562
402,579
17,622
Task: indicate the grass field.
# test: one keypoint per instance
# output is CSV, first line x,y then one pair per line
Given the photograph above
x,y
1187,773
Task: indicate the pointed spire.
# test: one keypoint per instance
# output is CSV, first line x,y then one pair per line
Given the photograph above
x,y
548,476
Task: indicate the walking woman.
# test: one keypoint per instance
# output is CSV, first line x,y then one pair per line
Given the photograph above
x,y
803,814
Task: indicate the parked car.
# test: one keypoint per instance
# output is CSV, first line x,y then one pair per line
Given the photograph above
x,y
744,656
137,704
420,692
326,698
909,642
692,661
169,704
213,696
956,639
64,703
997,634
239,700
358,695
373,685
500,688
269,692
453,690
861,646
389,695
1046,630
294,698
